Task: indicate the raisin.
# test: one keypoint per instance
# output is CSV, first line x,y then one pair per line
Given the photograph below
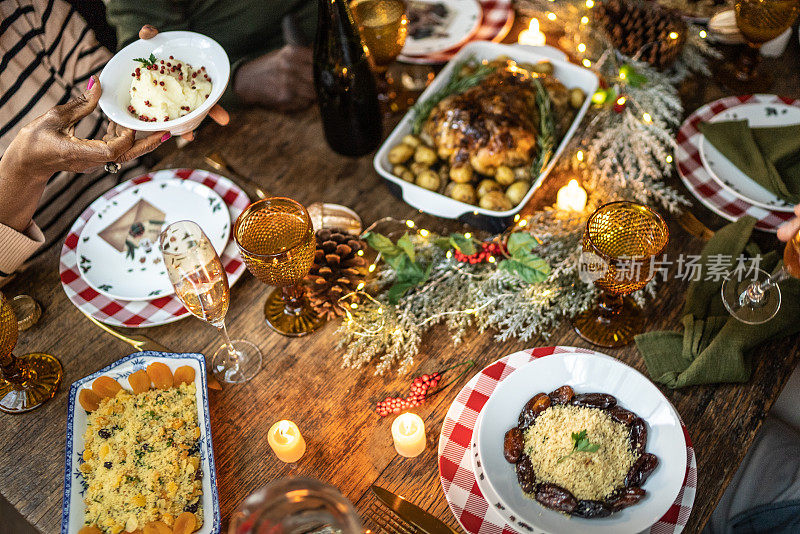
x,y
641,469
625,497
591,509
89,400
525,475
160,375
562,395
556,498
107,465
139,381
513,444
184,375
191,507
104,433
536,405
602,401
621,415
638,436
105,386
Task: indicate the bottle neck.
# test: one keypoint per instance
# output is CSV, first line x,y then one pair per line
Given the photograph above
x,y
337,33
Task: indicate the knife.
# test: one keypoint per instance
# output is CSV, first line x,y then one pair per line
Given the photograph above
x,y
142,343
411,513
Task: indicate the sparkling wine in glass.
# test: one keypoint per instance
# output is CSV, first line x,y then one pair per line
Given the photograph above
x,y
276,238
383,25
201,284
756,300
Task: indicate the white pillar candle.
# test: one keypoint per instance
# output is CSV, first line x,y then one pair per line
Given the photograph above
x,y
532,36
285,439
408,433
571,197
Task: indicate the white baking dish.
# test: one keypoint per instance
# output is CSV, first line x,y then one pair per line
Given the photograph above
x,y
442,206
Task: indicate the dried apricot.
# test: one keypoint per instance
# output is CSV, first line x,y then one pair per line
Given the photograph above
x,y
184,375
160,375
89,400
105,386
90,530
157,527
139,381
184,524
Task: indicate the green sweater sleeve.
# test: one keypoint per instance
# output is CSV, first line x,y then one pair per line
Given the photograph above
x,y
128,17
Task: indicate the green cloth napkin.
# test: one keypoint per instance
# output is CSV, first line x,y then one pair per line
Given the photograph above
x,y
713,345
770,156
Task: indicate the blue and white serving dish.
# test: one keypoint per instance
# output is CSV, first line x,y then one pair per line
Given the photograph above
x,y
74,484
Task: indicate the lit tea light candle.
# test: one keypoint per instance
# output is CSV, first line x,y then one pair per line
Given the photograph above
x,y
571,197
532,36
408,433
286,441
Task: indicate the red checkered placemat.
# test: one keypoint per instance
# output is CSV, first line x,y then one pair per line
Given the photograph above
x,y
498,17
698,179
158,311
456,473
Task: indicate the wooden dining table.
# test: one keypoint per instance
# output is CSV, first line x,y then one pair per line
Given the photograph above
x,y
302,379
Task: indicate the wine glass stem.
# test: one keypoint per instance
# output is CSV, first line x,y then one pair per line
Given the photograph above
x,y
292,299
610,304
755,292
9,368
233,356
749,61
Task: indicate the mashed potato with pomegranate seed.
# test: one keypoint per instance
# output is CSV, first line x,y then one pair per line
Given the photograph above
x,y
167,89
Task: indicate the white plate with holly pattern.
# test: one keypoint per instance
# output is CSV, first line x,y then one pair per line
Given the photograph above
x,y
118,251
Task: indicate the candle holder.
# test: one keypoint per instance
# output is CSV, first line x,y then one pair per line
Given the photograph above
x,y
620,242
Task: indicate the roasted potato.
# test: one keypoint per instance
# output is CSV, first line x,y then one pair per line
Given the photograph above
x,y
543,67
496,201
462,192
522,173
576,97
486,186
424,154
403,172
411,140
517,191
400,153
461,173
429,180
418,168
504,175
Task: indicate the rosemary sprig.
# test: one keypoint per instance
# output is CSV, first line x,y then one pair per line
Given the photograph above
x,y
546,138
456,84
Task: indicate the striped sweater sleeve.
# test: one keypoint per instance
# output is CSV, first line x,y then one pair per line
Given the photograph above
x,y
16,247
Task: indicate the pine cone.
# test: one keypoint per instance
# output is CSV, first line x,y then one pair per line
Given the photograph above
x,y
642,27
337,271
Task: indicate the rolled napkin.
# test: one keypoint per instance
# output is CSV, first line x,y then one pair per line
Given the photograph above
x,y
714,345
770,156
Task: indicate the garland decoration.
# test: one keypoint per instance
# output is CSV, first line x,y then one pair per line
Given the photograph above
x,y
522,283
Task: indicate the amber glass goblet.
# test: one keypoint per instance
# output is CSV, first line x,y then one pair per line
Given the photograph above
x,y
620,243
276,238
25,381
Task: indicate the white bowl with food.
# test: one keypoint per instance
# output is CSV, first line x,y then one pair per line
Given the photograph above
x,y
587,476
169,82
476,154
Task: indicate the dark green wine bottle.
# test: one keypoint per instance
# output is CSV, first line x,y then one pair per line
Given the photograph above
x,y
346,92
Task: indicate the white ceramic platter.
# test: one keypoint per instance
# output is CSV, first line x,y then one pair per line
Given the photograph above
x,y
442,206
448,24
586,373
726,174
118,248
73,509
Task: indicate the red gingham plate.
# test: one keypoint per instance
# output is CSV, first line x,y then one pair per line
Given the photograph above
x,y
700,182
498,17
158,311
456,471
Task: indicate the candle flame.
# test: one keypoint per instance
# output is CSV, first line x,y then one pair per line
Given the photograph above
x,y
285,431
534,25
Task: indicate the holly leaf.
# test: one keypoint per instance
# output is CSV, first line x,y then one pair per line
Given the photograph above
x,y
463,244
529,267
521,242
443,243
409,275
407,246
382,244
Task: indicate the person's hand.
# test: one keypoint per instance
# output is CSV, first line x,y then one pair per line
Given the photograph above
x,y
281,80
217,112
787,230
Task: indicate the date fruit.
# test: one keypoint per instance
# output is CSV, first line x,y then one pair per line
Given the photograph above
x,y
556,498
641,469
513,445
602,401
562,395
621,415
538,403
625,497
592,509
638,436
525,475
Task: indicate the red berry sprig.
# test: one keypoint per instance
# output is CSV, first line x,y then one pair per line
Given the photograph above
x,y
418,393
487,251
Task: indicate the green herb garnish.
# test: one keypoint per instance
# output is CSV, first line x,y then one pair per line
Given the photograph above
x,y
546,138
149,62
580,443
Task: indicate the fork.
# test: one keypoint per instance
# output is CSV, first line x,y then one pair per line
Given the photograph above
x,y
388,521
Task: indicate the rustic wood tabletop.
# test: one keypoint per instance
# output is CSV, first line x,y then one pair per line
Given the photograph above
x,y
302,379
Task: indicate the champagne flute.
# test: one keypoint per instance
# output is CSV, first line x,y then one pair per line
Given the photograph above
x,y
620,243
760,21
276,239
25,381
200,282
383,25
757,300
